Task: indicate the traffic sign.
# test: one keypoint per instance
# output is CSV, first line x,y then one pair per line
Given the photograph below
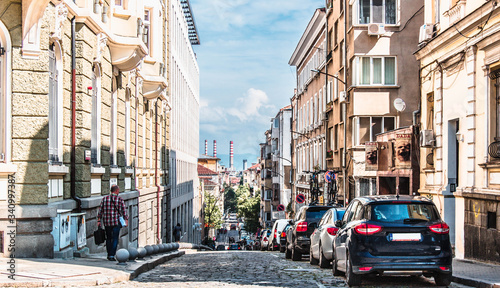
x,y
281,207
328,176
300,198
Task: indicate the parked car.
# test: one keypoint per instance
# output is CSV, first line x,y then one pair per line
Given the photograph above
x,y
234,246
303,225
264,239
283,237
398,234
322,238
274,239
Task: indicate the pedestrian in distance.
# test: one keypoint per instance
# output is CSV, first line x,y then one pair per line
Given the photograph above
x,y
177,232
111,209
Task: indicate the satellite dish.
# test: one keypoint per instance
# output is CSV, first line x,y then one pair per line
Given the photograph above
x,y
399,104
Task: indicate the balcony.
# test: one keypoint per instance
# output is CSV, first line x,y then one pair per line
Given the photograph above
x,y
456,13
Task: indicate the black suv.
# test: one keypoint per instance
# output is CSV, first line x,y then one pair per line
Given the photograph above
x,y
394,235
303,225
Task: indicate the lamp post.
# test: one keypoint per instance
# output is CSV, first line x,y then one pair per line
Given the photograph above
x,y
344,154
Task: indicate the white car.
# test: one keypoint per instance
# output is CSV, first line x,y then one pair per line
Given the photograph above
x,y
322,238
274,239
264,239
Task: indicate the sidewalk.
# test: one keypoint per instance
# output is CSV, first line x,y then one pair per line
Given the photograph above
x,y
90,271
96,270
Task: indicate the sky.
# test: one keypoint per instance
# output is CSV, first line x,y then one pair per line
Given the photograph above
x,y
245,79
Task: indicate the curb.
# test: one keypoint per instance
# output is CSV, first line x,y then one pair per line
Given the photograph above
x,y
151,264
474,282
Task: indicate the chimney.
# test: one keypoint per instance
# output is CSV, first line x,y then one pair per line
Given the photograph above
x,y
206,147
215,148
231,156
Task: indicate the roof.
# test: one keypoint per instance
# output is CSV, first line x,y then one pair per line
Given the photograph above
x,y
202,170
207,157
254,167
192,31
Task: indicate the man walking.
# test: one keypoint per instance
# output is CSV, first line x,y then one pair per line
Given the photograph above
x,y
112,207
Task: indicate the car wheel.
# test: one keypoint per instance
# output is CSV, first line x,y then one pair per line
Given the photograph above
x,y
442,279
323,262
352,279
335,269
312,260
288,253
296,255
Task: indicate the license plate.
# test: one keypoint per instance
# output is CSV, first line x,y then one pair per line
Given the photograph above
x,y
406,237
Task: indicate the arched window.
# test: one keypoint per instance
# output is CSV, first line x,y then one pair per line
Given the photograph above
x,y
55,103
95,142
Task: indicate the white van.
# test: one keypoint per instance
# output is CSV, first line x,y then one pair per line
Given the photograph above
x,y
274,239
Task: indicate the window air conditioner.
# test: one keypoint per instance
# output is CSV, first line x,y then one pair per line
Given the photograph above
x,y
426,33
342,97
376,29
427,138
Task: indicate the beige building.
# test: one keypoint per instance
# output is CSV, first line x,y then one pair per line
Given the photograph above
x,y
84,105
459,58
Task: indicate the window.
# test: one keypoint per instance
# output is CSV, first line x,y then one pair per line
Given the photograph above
x,y
335,33
375,70
276,122
435,10
55,104
127,128
114,124
341,53
147,29
366,128
95,142
377,11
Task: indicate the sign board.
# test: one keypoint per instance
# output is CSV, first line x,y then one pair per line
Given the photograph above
x,y
371,156
279,215
321,200
300,198
402,148
281,207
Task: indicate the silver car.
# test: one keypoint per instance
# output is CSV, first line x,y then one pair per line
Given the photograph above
x,y
322,238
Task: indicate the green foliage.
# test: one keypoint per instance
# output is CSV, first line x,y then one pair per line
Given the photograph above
x,y
249,208
230,200
213,215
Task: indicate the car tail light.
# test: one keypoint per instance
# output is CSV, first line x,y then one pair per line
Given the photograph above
x,y
239,248
275,231
265,239
447,269
440,228
367,229
302,227
332,230
365,268
227,248
283,234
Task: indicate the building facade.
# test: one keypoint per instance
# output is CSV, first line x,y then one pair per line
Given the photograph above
x,y
84,105
308,104
185,95
459,64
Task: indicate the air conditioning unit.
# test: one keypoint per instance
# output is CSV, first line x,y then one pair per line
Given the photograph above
x,y
427,138
376,29
426,33
342,97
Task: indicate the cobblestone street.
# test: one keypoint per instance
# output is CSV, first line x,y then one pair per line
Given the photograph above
x,y
252,269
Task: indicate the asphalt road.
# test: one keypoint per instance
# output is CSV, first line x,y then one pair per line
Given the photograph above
x,y
253,269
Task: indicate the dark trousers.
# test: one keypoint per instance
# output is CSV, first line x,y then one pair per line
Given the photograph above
x,y
112,234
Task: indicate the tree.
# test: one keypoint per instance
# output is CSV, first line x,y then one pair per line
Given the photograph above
x,y
213,215
230,200
249,208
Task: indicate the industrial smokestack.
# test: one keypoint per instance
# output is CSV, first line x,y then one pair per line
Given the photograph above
x,y
215,148
206,147
231,156
244,164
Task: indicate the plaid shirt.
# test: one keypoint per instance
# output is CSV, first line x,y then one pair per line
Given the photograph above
x,y
108,213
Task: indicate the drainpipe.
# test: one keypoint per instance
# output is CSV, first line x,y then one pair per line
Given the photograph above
x,y
344,105
158,202
487,121
73,119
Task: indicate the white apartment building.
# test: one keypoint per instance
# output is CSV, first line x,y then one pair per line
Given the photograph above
x,y
184,119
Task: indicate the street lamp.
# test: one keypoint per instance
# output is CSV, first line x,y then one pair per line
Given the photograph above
x,y
344,154
301,134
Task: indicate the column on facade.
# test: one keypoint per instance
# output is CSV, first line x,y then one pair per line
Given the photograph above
x,y
438,105
471,115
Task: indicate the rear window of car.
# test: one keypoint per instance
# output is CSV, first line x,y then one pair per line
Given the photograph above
x,y
404,212
314,215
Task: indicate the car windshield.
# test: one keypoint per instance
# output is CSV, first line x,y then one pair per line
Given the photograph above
x,y
314,216
404,212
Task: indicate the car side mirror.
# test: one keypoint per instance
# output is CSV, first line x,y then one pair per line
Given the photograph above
x,y
315,225
291,222
338,223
